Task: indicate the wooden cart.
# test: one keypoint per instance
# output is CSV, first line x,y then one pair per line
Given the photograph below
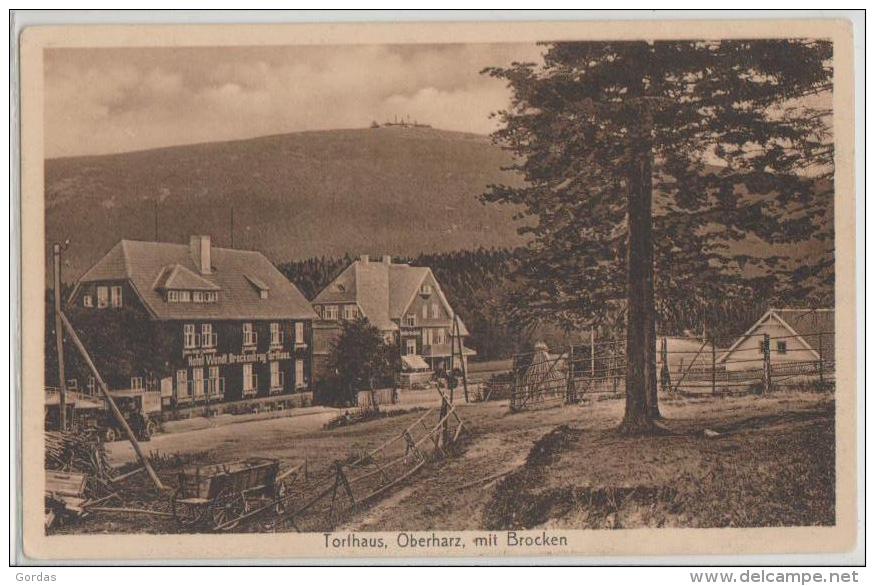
x,y
219,496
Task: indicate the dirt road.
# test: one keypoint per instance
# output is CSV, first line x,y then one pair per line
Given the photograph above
x,y
564,466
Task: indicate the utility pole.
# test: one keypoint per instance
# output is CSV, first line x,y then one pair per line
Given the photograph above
x,y
59,338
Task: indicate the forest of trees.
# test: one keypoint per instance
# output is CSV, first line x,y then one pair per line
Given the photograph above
x,y
484,287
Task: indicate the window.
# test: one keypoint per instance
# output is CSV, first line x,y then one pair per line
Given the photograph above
x,y
197,297
349,312
92,385
87,301
276,377
424,311
276,335
250,381
331,312
249,337
181,383
185,296
198,375
208,338
410,320
425,289
440,336
782,346
116,296
102,297
211,297
300,381
213,386
299,332
136,383
427,337
435,313
262,293
410,347
189,338
173,297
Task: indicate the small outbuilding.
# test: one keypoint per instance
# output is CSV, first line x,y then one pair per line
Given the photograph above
x,y
795,336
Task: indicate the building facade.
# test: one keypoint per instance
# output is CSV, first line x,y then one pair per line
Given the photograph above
x,y
405,303
231,325
795,336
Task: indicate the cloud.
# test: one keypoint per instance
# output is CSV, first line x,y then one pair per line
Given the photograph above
x,y
114,100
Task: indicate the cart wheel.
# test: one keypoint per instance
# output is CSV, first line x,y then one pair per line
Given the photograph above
x,y
228,506
110,435
186,514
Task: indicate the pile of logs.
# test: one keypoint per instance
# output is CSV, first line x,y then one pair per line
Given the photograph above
x,y
75,452
78,474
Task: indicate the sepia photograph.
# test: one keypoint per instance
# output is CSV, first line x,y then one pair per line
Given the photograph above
x,y
440,295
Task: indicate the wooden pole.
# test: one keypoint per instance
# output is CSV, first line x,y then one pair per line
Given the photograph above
x,y
820,355
458,331
713,365
665,375
569,387
767,364
59,339
112,406
592,352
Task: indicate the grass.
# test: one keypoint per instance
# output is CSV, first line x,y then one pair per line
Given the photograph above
x,y
771,464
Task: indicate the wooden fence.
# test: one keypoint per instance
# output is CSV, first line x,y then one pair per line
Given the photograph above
x,y
542,378
322,501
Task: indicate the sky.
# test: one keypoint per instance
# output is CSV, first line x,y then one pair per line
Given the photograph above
x,y
101,101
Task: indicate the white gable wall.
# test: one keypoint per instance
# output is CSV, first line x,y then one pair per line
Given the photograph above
x,y
747,355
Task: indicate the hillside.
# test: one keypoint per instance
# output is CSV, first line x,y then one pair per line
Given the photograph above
x,y
399,191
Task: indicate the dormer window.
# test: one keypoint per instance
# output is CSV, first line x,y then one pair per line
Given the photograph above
x,y
259,286
425,289
410,319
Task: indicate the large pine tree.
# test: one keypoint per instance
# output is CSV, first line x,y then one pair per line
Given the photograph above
x,y
645,161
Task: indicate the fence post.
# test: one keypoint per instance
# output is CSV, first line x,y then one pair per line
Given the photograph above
x,y
820,354
713,365
614,367
569,386
665,371
592,352
767,364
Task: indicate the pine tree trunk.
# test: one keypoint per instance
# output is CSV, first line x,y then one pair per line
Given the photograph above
x,y
650,381
640,317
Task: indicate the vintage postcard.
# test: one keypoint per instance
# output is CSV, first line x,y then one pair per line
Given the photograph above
x,y
438,290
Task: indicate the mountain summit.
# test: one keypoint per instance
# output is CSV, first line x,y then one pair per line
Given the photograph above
x,y
392,190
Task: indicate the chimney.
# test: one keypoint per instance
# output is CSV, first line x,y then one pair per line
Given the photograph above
x,y
199,247
387,259
364,258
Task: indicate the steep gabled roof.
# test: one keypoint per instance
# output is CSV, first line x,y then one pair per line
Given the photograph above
x,y
812,326
383,291
150,266
815,326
